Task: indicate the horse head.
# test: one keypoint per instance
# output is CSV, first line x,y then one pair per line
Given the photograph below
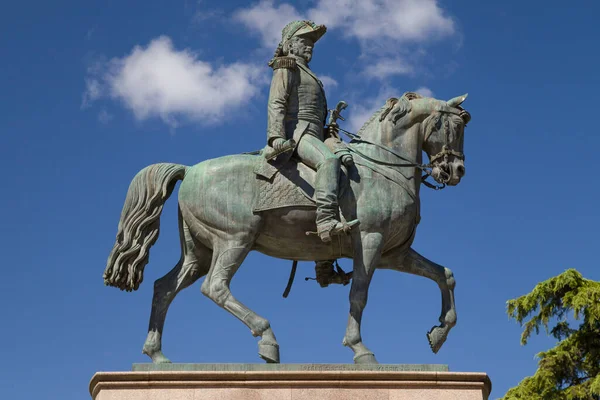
x,y
436,125
443,139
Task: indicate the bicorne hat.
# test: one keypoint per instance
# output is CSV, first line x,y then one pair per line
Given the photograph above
x,y
302,28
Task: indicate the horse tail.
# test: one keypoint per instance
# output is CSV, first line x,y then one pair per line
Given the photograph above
x,y
139,224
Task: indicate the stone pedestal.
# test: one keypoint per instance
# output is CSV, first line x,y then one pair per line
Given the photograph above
x,y
289,382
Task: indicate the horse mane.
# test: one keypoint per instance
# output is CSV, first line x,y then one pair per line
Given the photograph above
x,y
385,110
376,114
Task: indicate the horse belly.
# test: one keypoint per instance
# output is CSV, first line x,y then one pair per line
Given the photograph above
x,y
283,235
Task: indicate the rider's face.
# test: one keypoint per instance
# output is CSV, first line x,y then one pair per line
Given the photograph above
x,y
303,47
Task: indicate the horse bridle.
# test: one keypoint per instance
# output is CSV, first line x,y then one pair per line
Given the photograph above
x,y
426,168
446,151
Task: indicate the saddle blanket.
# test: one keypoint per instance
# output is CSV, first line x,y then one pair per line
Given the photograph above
x,y
286,185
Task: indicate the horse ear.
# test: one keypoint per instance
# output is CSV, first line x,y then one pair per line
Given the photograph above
x,y
412,95
457,101
389,104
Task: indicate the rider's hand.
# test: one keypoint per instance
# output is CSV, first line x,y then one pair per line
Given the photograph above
x,y
347,160
278,144
334,130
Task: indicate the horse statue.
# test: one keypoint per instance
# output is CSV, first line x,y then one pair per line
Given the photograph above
x,y
220,220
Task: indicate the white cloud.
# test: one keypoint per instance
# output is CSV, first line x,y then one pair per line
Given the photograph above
x,y
386,67
399,20
268,20
160,81
93,91
366,20
362,112
328,82
388,28
424,91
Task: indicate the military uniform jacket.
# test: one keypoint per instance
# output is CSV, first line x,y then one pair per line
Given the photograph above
x,y
297,103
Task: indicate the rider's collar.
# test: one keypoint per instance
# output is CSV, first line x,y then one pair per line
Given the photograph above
x,y
301,61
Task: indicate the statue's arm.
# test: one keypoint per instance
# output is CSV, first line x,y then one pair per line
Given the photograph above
x,y
278,102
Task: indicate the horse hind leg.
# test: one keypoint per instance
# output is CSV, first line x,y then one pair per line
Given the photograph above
x,y
216,287
194,264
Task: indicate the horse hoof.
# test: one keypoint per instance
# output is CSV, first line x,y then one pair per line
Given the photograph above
x,y
366,358
269,352
159,358
436,337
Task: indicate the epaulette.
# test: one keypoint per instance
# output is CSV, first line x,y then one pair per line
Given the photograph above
x,y
283,62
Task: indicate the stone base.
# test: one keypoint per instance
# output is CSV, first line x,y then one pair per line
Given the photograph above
x,y
290,382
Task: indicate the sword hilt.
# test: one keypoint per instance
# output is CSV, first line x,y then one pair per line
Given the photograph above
x,y
335,113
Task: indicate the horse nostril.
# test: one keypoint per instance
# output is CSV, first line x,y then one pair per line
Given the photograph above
x,y
460,170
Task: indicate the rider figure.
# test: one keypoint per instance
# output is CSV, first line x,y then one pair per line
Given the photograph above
x,y
297,110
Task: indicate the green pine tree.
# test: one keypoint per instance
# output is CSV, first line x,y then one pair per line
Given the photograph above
x,y
571,369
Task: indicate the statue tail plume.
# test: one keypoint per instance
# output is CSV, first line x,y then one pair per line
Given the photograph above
x,y
139,224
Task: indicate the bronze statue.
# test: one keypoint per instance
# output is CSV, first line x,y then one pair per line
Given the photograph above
x,y
269,200
297,110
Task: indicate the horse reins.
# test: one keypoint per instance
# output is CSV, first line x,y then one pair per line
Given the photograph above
x,y
426,168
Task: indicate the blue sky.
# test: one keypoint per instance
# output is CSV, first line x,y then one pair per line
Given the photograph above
x,y
95,91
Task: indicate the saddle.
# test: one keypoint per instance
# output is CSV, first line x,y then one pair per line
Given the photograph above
x,y
285,181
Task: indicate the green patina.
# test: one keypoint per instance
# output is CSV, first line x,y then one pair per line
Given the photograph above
x,y
366,196
289,367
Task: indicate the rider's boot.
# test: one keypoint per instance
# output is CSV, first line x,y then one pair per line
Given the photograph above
x,y
326,197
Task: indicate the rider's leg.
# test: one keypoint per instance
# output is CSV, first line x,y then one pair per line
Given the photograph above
x,y
312,151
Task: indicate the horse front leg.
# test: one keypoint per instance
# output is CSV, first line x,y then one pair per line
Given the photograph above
x,y
366,257
413,263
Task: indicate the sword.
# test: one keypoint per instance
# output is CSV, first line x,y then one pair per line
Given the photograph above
x,y
271,153
335,114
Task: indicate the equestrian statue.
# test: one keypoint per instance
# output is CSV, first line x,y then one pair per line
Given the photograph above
x,y
306,196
